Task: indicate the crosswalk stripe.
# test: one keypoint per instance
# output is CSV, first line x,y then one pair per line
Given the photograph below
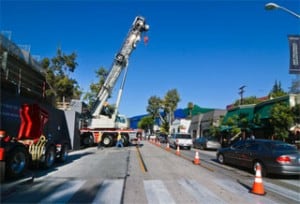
x,y
64,192
110,192
199,192
156,192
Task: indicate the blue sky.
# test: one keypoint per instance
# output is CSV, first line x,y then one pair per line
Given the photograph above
x,y
205,49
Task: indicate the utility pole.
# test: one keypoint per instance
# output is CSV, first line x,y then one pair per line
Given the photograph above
x,y
241,93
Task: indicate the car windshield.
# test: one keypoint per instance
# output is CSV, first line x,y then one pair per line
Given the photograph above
x,y
184,136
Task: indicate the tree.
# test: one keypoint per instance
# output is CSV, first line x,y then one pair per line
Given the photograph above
x,y
190,107
247,100
146,123
170,103
62,86
296,113
91,95
154,107
234,123
277,91
281,119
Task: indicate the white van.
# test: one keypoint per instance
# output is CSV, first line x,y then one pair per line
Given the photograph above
x,y
183,140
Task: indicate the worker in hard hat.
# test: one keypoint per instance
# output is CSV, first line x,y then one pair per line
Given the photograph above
x,y
119,141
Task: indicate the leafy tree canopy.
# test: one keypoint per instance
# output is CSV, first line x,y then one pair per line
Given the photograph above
x,y
277,91
91,95
58,69
146,123
281,119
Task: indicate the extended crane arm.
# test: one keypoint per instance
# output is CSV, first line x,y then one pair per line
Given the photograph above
x,y
121,60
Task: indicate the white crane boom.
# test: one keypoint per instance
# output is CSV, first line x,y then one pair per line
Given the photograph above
x,y
120,62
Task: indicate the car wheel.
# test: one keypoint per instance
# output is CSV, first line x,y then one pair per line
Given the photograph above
x,y
263,168
221,159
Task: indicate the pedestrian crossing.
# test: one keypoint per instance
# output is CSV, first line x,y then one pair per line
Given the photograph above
x,y
111,191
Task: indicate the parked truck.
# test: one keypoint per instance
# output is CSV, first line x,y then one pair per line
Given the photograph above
x,y
32,131
101,126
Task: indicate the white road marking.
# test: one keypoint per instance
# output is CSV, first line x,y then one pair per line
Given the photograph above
x,y
156,192
199,192
110,192
64,193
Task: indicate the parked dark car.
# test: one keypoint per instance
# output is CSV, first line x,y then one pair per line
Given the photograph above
x,y
163,138
275,157
206,142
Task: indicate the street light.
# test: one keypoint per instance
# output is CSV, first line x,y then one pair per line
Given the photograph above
x,y
272,6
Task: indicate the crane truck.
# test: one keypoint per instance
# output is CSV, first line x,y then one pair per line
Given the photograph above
x,y
104,128
32,131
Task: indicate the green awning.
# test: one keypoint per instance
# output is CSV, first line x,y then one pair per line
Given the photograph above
x,y
197,110
245,111
263,109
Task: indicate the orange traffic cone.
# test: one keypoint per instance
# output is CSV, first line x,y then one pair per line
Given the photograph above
x,y
197,158
168,147
258,187
178,150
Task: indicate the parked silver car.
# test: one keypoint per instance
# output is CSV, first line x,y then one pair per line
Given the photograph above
x,y
183,140
207,142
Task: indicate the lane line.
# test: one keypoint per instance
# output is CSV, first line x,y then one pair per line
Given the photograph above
x,y
141,161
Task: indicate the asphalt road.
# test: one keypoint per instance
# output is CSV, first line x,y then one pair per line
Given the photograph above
x,y
145,174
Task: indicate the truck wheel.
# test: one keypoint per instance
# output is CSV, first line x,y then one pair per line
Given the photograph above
x,y
17,162
49,158
125,140
87,140
63,154
107,141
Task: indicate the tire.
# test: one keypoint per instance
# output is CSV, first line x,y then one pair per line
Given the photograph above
x,y
107,141
221,158
125,140
87,140
17,162
49,157
263,168
63,154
